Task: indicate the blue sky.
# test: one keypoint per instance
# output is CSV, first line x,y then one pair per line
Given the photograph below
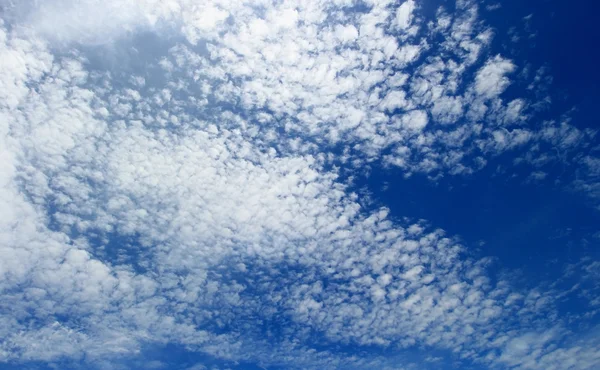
x,y
299,185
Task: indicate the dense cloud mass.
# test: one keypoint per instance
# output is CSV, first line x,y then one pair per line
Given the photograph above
x,y
176,173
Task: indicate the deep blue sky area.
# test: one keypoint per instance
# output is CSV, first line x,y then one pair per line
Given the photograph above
x,y
524,224
565,35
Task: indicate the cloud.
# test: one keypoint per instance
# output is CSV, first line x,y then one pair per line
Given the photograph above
x,y
404,14
200,204
491,80
89,22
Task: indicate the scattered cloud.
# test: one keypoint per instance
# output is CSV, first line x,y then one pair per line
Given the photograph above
x,y
199,202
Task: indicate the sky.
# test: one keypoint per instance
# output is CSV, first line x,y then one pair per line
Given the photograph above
x,y
320,184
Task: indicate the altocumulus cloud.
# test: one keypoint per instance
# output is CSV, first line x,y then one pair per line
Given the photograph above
x,y
198,200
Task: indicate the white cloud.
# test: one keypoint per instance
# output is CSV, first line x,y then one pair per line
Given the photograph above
x,y
414,120
404,14
491,79
88,21
216,163
447,110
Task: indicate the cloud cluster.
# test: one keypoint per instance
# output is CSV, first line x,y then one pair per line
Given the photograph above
x,y
198,202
